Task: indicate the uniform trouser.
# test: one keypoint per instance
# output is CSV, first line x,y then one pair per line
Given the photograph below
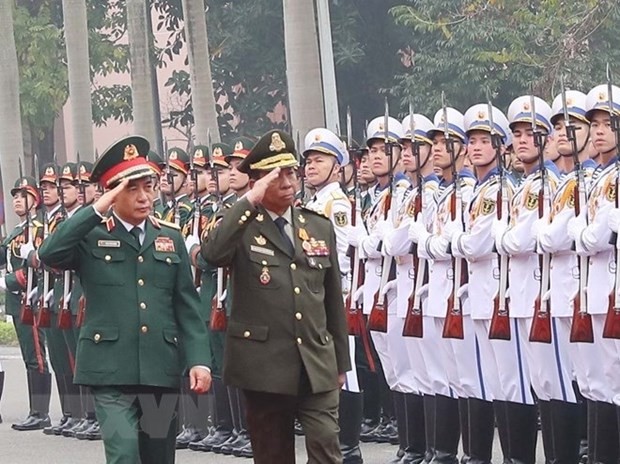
x,y
138,423
413,347
32,345
216,340
549,364
463,352
600,364
486,363
508,359
351,383
393,356
60,357
271,424
435,351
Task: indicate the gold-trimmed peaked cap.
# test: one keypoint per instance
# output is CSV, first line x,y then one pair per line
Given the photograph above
x,y
124,159
275,149
28,185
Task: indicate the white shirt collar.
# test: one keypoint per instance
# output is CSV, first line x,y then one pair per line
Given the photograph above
x,y
129,226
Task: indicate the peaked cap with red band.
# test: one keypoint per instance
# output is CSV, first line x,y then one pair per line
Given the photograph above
x,y
124,159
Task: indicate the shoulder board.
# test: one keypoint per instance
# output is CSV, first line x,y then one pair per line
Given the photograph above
x,y
315,213
339,195
161,222
403,183
37,223
187,206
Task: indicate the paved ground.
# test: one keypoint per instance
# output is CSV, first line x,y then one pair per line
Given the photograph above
x,y
34,447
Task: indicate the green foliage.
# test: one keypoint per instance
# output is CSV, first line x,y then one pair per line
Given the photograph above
x,y
8,337
464,47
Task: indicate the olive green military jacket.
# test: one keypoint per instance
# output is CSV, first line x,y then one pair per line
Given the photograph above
x,y
142,323
287,311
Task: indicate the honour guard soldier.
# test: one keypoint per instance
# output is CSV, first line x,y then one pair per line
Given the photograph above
x,y
135,340
325,155
475,244
413,393
561,417
379,280
31,337
239,181
175,187
284,260
529,119
157,165
449,361
591,232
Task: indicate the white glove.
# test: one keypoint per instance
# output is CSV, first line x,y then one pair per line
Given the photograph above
x,y
358,296
25,250
547,295
32,295
575,227
190,242
463,291
498,229
389,286
451,228
223,295
3,283
613,220
382,228
416,231
356,235
422,291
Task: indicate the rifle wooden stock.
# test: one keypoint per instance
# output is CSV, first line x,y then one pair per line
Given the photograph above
x,y
377,321
44,317
355,317
63,321
611,329
453,324
540,331
26,314
500,323
581,328
413,326
219,320
79,319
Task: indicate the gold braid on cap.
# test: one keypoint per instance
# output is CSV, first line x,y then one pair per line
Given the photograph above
x,y
278,161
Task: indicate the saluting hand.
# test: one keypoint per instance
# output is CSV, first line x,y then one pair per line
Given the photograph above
x,y
103,204
257,193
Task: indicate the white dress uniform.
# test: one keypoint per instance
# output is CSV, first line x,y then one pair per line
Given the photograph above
x,y
475,244
332,202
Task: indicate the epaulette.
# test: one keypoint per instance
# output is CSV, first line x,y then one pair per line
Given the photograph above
x,y
338,195
37,223
403,183
316,213
161,222
187,206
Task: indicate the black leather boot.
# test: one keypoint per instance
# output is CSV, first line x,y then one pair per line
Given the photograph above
x,y
350,421
481,430
546,429
501,420
606,442
566,432
522,432
447,430
74,406
415,433
243,446
464,420
429,426
39,389
193,416
1,389
223,421
237,440
400,411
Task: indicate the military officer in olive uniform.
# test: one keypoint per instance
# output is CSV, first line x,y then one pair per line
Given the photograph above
x,y
286,342
15,282
142,323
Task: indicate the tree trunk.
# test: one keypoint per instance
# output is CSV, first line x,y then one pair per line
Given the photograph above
x,y
143,80
303,67
203,99
11,144
76,39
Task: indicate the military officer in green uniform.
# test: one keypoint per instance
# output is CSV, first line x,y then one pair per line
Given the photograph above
x,y
15,283
175,187
142,325
286,342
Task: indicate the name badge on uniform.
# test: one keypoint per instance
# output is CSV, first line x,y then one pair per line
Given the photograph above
x,y
164,244
109,243
262,250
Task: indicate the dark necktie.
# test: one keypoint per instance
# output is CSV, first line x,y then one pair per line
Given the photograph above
x,y
136,234
280,223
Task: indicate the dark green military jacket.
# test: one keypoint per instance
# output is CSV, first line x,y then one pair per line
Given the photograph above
x,y
185,208
142,324
287,311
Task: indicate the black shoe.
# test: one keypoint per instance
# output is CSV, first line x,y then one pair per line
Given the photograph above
x,y
69,424
245,452
369,431
217,438
70,431
412,457
188,435
34,421
240,441
352,456
50,430
218,447
93,433
389,434
83,426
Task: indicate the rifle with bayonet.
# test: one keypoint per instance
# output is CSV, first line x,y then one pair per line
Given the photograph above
x,y
500,321
413,326
540,330
453,324
378,318
43,315
26,314
81,313
611,329
63,320
218,321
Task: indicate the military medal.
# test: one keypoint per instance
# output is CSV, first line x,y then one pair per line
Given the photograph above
x,y
260,217
164,244
260,240
265,277
301,219
303,234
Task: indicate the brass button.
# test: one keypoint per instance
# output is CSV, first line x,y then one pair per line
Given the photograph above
x,y
326,338
297,290
240,223
144,329
248,213
168,260
247,334
298,316
141,282
140,259
299,340
293,266
108,258
320,266
175,339
243,218
143,305
264,263
97,338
